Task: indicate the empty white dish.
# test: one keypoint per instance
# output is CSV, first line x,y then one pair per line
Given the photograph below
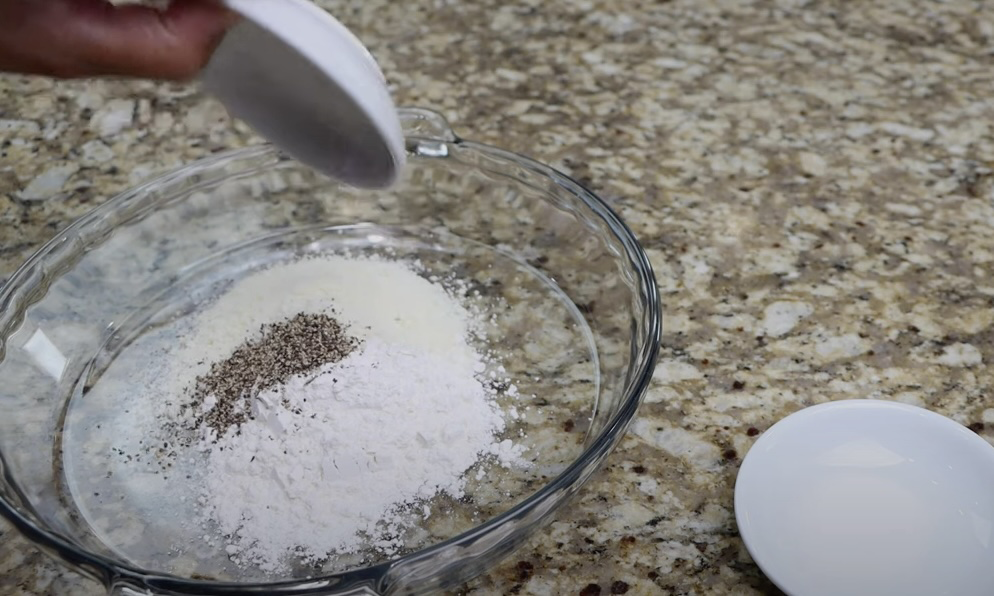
x,y
305,82
869,497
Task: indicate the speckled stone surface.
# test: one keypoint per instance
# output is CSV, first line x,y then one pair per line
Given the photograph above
x,y
814,182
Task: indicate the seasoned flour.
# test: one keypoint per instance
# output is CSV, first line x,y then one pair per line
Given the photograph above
x,y
338,457
345,456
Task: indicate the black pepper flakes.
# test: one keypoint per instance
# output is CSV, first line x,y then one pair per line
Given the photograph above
x,y
298,345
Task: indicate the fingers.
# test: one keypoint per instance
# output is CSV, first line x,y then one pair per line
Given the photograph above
x,y
80,38
143,42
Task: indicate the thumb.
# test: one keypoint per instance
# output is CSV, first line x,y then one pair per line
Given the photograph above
x,y
143,42
79,38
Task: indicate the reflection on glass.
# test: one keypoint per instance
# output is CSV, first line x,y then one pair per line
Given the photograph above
x,y
46,355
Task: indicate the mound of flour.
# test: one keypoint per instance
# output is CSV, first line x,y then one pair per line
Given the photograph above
x,y
345,457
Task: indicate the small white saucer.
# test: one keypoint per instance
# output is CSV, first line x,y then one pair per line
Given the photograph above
x,y
870,497
303,81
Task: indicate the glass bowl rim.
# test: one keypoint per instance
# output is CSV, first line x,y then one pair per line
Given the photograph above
x,y
569,480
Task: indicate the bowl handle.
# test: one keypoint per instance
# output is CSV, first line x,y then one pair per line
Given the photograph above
x,y
426,124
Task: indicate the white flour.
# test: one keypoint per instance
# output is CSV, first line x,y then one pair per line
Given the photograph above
x,y
349,456
387,426
374,297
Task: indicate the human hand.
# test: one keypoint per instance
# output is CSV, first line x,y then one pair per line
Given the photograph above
x,y
86,38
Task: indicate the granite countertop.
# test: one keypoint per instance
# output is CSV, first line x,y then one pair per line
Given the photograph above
x,y
813,181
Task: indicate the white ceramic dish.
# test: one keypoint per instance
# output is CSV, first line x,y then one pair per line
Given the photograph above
x,y
305,82
870,497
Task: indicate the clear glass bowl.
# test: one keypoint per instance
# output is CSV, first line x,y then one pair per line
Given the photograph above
x,y
579,325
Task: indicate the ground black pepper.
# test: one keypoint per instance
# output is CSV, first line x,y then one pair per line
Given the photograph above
x,y
295,346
